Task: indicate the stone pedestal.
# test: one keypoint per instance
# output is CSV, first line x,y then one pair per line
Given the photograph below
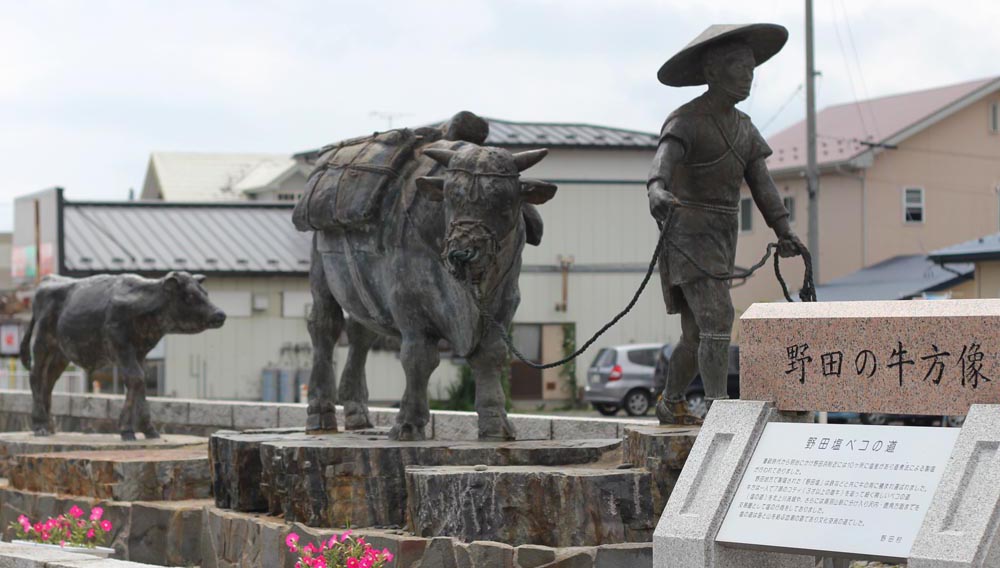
x,y
685,535
960,528
558,507
234,463
662,450
122,475
19,443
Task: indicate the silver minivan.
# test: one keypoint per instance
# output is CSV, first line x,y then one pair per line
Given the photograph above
x,y
622,377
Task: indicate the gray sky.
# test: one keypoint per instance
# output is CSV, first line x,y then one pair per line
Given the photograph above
x,y
89,88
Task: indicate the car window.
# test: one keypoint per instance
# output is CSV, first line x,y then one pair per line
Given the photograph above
x,y
605,358
644,357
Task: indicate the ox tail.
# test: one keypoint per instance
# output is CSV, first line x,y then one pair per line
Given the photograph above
x,y
26,344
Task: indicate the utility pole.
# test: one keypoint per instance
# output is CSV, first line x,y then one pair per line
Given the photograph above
x,y
812,173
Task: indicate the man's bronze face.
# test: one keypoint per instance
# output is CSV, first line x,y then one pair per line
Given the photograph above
x,y
732,72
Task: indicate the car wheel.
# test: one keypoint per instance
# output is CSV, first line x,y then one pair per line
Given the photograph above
x,y
874,419
953,421
697,405
606,409
637,402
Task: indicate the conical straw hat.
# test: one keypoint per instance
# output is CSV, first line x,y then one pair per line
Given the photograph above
x,y
685,68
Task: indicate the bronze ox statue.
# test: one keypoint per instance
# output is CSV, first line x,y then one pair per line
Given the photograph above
x,y
452,219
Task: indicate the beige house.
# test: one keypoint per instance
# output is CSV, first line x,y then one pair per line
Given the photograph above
x,y
984,254
900,175
212,177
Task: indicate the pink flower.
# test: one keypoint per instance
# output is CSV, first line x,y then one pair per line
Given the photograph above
x,y
353,563
91,533
96,513
344,536
106,525
75,512
387,555
291,541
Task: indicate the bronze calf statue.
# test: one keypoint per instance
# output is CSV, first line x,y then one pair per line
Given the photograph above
x,y
109,321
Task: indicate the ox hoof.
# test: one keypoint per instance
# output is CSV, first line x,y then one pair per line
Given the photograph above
x,y
43,431
151,434
407,433
128,436
496,428
356,417
322,422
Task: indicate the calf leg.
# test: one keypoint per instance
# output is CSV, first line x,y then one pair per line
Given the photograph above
x,y
325,322
135,412
49,365
420,357
487,363
353,383
141,418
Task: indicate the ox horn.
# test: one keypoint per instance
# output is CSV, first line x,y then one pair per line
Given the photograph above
x,y
440,155
528,158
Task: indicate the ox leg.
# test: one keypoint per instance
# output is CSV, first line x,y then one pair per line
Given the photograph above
x,y
325,322
49,365
420,357
353,383
135,412
141,418
487,363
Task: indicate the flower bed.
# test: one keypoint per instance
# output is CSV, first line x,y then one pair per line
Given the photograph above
x,y
69,531
345,552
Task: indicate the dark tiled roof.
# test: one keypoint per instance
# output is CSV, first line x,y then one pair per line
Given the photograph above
x,y
898,278
506,133
157,237
983,248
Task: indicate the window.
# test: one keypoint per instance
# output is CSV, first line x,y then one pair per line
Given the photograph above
x,y
746,214
789,203
644,357
913,205
605,358
995,117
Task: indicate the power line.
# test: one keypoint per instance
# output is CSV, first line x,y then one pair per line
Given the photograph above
x,y
782,107
847,67
861,74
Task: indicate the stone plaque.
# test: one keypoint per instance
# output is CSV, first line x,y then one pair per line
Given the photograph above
x,y
915,357
838,489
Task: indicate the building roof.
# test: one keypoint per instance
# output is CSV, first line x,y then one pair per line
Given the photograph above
x,y
842,129
267,174
554,134
983,248
207,176
509,134
898,278
153,237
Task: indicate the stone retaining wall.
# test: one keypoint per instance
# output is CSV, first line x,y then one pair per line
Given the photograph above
x,y
28,557
99,413
248,540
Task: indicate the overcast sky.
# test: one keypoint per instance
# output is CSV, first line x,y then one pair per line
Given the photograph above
x,y
89,88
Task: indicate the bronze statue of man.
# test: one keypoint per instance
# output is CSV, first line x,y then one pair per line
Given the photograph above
x,y
707,150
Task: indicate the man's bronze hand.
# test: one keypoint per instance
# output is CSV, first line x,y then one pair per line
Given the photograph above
x,y
789,245
661,201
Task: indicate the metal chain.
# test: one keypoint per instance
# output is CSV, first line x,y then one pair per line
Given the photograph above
x,y
806,294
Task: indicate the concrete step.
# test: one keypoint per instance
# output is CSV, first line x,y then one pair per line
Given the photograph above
x,y
662,450
550,506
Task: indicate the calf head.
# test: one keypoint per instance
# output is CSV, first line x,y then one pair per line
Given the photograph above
x,y
483,194
186,307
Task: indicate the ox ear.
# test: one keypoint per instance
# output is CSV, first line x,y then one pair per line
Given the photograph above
x,y
432,187
536,191
440,155
528,158
172,281
533,225
199,278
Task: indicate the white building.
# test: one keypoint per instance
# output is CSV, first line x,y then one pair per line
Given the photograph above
x,y
208,176
597,245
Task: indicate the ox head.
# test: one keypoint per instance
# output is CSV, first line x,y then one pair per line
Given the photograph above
x,y
483,194
187,308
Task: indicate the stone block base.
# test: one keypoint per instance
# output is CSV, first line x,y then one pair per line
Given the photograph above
x,y
662,450
122,475
552,506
